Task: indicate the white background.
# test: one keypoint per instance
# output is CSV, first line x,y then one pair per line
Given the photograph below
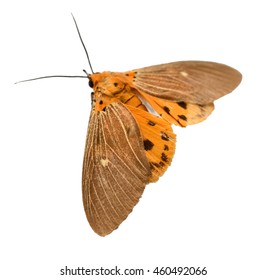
x,y
207,210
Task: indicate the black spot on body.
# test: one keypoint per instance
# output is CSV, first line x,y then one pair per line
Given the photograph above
x,y
92,99
148,145
164,157
151,123
167,110
104,109
166,148
127,74
115,84
100,102
164,136
182,117
182,104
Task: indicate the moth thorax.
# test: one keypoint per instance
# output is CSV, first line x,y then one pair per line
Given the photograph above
x,y
110,86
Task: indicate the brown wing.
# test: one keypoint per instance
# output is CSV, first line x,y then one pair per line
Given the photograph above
x,y
115,168
187,81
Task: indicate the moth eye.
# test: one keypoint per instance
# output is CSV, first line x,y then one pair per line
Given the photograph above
x,y
91,83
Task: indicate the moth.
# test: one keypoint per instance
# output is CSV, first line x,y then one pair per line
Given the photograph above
x,y
130,142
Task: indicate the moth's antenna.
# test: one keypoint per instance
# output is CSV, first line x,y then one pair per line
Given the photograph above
x,y
53,76
65,76
83,44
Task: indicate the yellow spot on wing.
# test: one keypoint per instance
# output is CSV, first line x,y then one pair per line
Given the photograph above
x,y
104,162
184,74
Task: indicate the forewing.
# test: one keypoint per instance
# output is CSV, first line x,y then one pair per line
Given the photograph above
x,y
115,168
197,82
